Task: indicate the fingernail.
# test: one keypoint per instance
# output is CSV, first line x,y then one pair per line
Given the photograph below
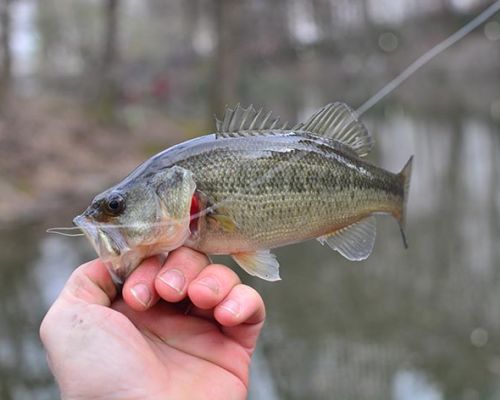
x,y
142,294
210,283
232,306
175,279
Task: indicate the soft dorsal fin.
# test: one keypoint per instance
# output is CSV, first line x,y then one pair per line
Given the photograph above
x,y
338,121
240,121
355,242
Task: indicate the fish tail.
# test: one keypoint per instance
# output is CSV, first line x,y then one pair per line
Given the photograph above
x,y
405,176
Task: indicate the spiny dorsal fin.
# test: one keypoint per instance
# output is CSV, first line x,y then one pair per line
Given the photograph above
x,y
355,242
240,121
338,121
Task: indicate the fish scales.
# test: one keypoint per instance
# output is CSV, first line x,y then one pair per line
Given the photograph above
x,y
315,188
243,191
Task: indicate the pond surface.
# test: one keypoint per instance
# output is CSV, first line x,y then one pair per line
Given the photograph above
x,y
422,323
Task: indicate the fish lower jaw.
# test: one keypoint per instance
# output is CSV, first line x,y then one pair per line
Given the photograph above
x,y
120,267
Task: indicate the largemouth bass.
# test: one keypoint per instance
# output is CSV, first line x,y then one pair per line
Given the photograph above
x,y
251,186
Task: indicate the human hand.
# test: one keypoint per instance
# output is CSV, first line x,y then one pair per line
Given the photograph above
x,y
157,342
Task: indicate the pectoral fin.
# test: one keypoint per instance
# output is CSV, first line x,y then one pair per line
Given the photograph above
x,y
261,263
355,242
224,222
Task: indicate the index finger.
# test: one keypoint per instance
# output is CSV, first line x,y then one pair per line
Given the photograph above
x,y
152,280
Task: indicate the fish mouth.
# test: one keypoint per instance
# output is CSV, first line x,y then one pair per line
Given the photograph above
x,y
110,245
120,257
106,242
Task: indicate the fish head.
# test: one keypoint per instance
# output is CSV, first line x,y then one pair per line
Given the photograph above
x,y
137,219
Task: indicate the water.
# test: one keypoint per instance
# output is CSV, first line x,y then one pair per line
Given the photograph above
x,y
422,323
33,269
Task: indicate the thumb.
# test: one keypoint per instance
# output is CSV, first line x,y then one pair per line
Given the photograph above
x,y
73,330
90,283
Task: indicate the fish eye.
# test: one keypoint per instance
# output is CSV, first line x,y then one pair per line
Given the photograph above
x,y
114,204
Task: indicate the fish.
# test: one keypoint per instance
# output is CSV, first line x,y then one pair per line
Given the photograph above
x,y
251,186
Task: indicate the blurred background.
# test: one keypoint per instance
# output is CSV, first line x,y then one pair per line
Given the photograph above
x,y
90,88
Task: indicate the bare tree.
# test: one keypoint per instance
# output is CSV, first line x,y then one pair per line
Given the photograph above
x,y
108,90
191,11
6,51
110,52
323,16
228,18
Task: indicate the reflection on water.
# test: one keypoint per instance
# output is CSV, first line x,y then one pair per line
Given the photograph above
x,y
58,257
30,279
411,385
419,324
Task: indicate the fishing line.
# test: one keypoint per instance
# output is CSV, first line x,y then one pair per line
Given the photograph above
x,y
63,231
428,56
58,230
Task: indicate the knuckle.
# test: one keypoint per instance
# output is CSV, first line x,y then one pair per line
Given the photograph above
x,y
223,271
189,257
197,257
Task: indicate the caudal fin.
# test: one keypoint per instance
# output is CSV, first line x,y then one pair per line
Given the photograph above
x,y
405,176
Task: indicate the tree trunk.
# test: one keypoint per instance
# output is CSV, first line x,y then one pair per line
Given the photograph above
x,y
227,69
190,16
6,50
108,90
323,17
109,55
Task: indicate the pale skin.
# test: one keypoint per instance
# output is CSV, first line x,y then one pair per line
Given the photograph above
x,y
182,330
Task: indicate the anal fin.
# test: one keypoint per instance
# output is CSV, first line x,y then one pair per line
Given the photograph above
x,y
355,242
260,263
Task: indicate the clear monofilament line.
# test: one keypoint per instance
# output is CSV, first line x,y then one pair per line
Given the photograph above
x,y
63,231
428,56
